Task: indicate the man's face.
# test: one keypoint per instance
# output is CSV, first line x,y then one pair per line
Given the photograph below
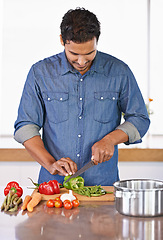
x,y
81,55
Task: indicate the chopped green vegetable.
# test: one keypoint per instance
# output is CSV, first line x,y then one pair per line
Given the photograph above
x,y
93,191
77,185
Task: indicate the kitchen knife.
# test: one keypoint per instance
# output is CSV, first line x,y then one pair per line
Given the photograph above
x,y
80,171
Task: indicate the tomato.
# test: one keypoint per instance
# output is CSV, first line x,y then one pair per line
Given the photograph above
x,y
50,203
66,201
57,199
58,204
67,204
75,203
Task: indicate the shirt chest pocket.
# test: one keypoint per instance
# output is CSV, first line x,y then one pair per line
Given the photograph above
x,y
56,105
105,106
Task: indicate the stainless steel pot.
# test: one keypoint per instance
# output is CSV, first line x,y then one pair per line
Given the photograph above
x,y
139,197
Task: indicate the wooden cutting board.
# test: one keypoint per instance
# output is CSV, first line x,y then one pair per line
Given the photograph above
x,y
107,197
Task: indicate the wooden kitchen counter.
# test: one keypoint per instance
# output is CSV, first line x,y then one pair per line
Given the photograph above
x,y
125,155
91,220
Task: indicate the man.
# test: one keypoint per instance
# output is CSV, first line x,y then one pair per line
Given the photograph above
x,y
77,97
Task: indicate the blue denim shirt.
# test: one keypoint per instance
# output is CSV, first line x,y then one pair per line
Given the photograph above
x,y
75,111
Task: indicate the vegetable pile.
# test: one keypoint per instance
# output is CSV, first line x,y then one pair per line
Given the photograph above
x,y
67,200
77,185
13,193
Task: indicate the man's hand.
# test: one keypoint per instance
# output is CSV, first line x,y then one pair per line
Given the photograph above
x,y
103,150
63,167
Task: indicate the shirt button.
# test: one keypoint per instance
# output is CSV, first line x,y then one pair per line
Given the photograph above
x,y
80,117
48,98
61,99
79,135
101,98
78,155
113,98
81,98
81,80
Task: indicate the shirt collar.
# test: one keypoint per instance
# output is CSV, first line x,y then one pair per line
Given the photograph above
x,y
97,65
66,66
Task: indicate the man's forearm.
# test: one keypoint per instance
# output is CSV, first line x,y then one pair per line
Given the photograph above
x,y
116,137
36,149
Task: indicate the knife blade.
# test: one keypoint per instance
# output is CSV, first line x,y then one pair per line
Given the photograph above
x,y
80,171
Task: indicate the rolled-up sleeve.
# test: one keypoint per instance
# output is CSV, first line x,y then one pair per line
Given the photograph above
x,y
31,110
135,112
26,132
131,131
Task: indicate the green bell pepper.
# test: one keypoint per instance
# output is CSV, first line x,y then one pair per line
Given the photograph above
x,y
67,184
74,183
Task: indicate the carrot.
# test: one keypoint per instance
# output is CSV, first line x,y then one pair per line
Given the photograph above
x,y
35,191
26,201
36,198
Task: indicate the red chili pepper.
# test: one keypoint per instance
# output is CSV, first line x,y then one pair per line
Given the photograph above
x,y
14,186
49,188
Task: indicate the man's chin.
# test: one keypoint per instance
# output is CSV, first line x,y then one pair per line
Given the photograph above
x,y
81,69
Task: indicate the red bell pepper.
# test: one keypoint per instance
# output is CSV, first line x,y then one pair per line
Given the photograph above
x,y
49,188
14,186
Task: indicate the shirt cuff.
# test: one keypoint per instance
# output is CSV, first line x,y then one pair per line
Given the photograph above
x,y
26,132
131,131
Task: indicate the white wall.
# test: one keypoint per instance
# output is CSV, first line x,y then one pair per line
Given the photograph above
x,y
19,171
150,170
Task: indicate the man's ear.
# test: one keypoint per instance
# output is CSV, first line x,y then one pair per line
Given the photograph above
x,y
61,40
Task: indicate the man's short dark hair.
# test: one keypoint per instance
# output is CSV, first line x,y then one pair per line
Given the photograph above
x,y
79,26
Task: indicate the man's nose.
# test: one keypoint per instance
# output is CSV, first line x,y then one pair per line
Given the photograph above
x,y
81,60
